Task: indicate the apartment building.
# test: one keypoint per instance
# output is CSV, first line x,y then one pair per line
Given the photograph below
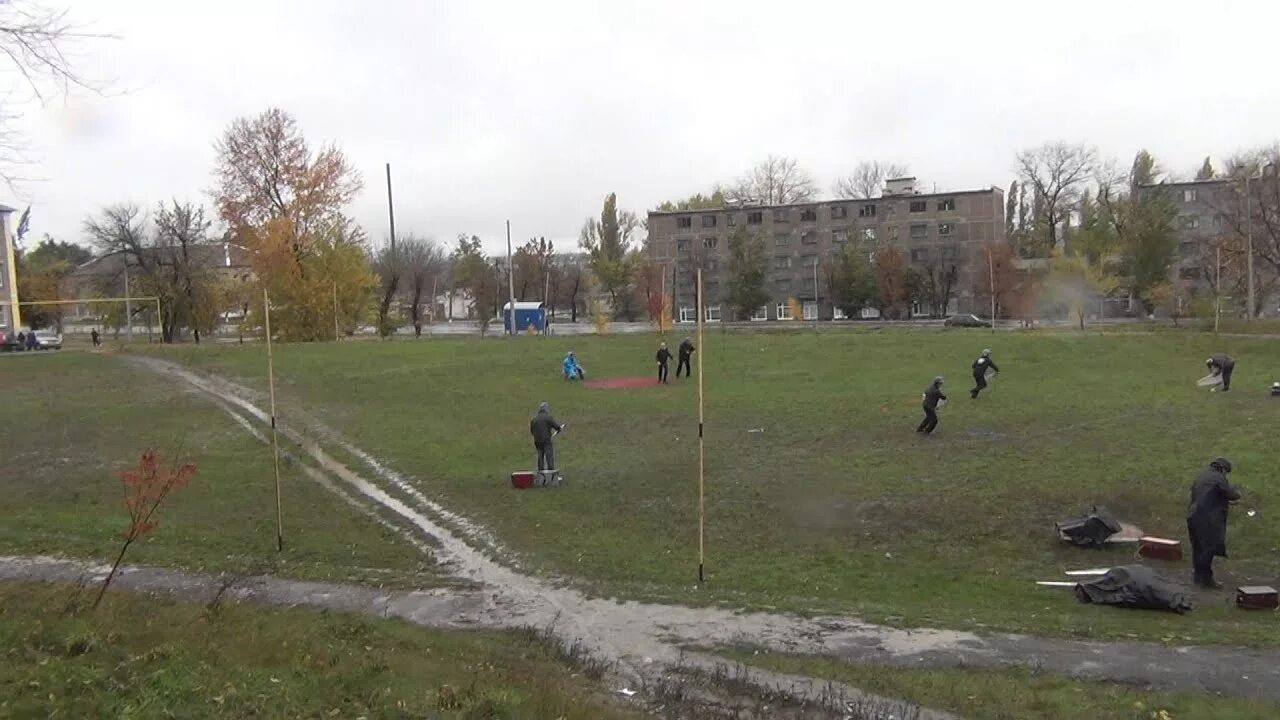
x,y
1203,208
931,230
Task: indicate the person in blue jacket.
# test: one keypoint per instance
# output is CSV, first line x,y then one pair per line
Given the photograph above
x,y
572,370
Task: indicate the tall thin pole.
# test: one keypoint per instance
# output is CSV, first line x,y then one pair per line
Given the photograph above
x,y
128,303
991,274
546,292
1248,257
702,504
431,319
662,305
336,336
511,280
1217,287
817,307
275,444
391,211
160,318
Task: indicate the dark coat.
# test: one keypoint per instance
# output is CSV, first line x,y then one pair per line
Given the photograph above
x,y
932,395
1207,513
686,349
663,356
543,426
1222,362
981,364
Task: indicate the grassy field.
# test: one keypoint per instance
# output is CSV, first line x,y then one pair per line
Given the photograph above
x,y
835,504
1017,694
141,658
70,422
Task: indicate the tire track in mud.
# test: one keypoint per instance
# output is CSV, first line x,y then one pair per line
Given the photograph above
x,y
648,639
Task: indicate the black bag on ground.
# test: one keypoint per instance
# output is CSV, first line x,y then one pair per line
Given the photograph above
x,y
1134,586
1090,530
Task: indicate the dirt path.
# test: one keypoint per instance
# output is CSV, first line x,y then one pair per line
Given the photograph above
x,y
646,639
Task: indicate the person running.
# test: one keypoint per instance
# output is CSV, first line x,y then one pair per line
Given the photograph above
x,y
544,427
1222,365
686,351
95,337
932,395
572,370
664,358
1211,493
980,367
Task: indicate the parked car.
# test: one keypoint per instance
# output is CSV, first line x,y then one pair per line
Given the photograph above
x,y
967,320
48,340
9,342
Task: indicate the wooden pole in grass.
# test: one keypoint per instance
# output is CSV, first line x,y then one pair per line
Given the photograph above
x,y
702,503
275,445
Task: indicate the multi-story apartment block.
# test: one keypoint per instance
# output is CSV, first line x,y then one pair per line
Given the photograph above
x,y
929,229
1203,208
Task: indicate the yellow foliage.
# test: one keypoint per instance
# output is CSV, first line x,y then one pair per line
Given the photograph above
x,y
796,308
600,317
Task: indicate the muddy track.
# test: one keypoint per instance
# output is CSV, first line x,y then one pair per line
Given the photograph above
x,y
646,639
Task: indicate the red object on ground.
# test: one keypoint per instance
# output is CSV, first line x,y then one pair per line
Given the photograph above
x,y
1257,597
1159,548
522,480
621,383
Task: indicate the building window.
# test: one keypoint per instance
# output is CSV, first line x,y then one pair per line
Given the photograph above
x,y
1189,273
919,254
684,222
915,308
782,239
1189,195
918,206
951,253
730,220
782,262
809,238
688,315
809,215
919,231
708,221
893,233
712,264
891,208
1187,249
838,313
946,204
869,235
870,313
839,236
682,245
713,313
761,314
784,311
710,243
1191,222
781,215
783,284
755,218
839,212
945,229
811,311
867,211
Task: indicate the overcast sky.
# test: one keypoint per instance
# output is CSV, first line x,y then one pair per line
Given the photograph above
x,y
533,112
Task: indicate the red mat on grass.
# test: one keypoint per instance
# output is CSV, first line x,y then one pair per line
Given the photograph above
x,y
621,383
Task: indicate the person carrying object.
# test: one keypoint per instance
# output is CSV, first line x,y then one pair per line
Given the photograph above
x,y
664,358
1222,365
980,367
544,427
685,352
572,370
1211,493
932,395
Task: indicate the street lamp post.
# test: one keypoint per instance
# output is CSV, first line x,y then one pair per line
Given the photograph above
x,y
1248,228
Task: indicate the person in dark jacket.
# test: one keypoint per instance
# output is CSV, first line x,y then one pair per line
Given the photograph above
x,y
980,367
22,340
33,342
664,358
543,427
95,337
1211,493
932,395
1222,365
1275,389
685,351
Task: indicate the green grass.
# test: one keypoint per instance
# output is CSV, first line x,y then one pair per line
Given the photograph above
x,y
1016,694
136,657
71,422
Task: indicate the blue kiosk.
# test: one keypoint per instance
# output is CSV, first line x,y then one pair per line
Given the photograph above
x,y
528,315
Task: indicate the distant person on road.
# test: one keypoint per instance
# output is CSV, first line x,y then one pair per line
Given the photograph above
x,y
1211,493
664,358
97,339
33,342
543,427
932,395
685,351
572,370
980,367
1222,365
22,340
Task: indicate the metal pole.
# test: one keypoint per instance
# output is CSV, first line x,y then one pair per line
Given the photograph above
x,y
817,307
431,319
1248,258
161,320
1217,287
991,275
662,305
702,504
128,304
275,445
391,212
335,311
546,291
511,280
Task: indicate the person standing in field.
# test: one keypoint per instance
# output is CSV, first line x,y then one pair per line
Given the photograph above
x,y
686,351
95,337
664,358
1222,365
1211,493
932,395
543,427
980,367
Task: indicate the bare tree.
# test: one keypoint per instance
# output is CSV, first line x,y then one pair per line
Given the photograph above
x,y
1057,173
424,263
867,179
388,264
774,181
1249,205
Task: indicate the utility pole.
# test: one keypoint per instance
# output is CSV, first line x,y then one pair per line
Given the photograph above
x,y
1248,256
128,304
1217,287
391,211
991,275
511,280
817,307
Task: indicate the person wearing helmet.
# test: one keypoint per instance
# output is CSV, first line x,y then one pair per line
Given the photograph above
x,y
980,367
1275,389
1222,365
932,395
544,427
1211,493
572,370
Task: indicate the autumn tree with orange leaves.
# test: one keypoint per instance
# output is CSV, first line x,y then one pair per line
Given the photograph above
x,y
286,203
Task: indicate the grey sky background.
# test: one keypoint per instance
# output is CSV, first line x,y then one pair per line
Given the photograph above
x,y
535,111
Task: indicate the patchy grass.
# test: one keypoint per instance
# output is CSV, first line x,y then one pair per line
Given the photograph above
x,y
140,657
1015,694
70,422
837,506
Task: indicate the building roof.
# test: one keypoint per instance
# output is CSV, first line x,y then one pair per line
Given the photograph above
x,y
832,201
1180,183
